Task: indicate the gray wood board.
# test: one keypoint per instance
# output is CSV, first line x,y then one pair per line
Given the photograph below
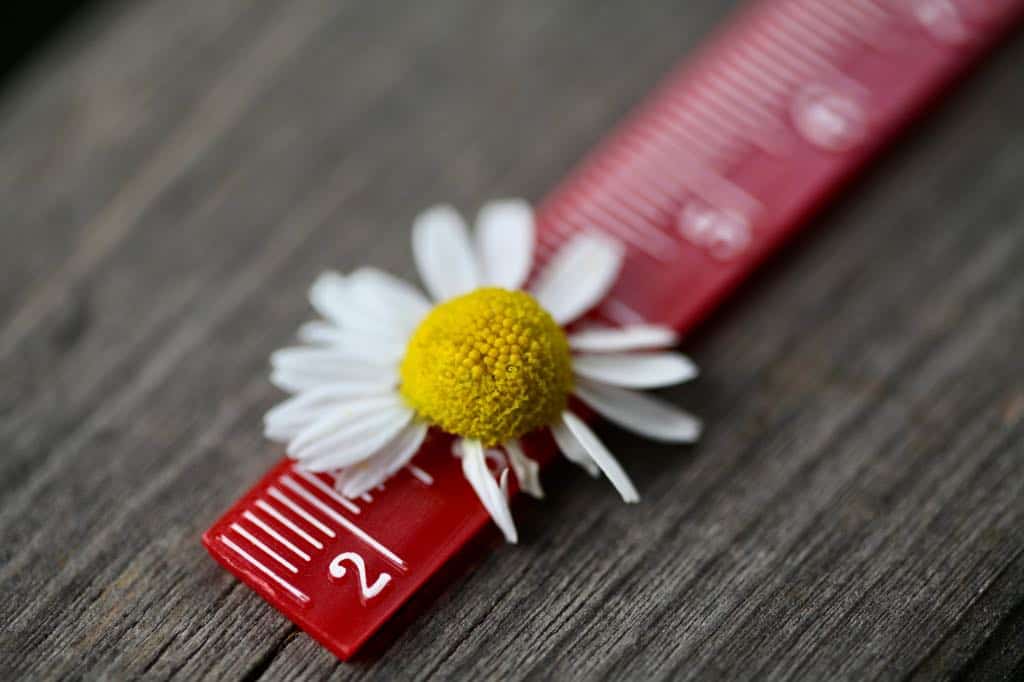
x,y
175,174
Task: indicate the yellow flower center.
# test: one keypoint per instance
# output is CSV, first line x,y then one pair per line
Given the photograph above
x,y
490,365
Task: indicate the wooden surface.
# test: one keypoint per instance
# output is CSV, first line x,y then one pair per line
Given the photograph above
x,y
174,173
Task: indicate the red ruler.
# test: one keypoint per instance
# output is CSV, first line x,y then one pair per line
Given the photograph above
x,y
729,157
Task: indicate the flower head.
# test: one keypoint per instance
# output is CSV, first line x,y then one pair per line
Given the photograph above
x,y
489,363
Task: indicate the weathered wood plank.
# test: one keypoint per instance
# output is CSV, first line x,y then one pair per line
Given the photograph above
x,y
177,172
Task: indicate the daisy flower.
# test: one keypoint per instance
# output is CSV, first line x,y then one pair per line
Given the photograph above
x,y
486,361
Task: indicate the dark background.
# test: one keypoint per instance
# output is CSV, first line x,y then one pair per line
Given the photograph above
x,y
28,26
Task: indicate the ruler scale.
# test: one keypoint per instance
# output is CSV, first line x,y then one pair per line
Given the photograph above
x,y
727,159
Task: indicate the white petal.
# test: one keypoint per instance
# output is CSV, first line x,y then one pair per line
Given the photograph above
x,y
639,413
321,332
579,276
572,449
389,297
440,245
617,340
355,443
349,304
359,345
346,415
635,370
474,468
328,295
504,242
601,456
359,478
526,470
503,484
339,361
300,369
296,381
287,419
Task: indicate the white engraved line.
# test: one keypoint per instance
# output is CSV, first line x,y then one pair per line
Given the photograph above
x,y
854,29
290,503
288,524
738,74
263,569
776,43
763,52
348,525
753,53
825,28
770,83
672,123
266,550
800,32
258,522
704,181
586,220
741,90
869,7
609,205
326,490
422,475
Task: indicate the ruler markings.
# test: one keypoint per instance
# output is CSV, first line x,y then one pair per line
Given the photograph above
x,y
673,122
269,530
682,122
741,74
706,181
294,591
709,97
587,217
641,226
773,48
255,541
738,87
670,124
801,34
294,506
648,206
420,474
871,11
761,129
342,521
704,109
327,490
671,128
602,215
760,52
859,25
823,26
288,523
780,46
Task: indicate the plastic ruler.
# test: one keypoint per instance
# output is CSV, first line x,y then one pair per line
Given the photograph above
x,y
725,160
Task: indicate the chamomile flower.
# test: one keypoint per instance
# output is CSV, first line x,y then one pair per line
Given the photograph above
x,y
487,361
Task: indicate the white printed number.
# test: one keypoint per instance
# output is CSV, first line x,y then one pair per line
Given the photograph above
x,y
722,234
337,570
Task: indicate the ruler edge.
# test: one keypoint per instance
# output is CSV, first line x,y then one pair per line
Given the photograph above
x,y
465,533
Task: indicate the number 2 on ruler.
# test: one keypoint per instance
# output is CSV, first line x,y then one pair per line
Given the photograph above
x,y
367,591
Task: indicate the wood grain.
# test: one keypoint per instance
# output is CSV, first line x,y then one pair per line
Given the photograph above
x,y
175,173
